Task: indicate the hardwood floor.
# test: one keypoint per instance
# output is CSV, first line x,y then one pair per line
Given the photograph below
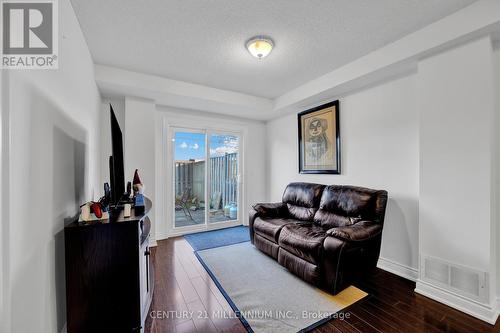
x,y
182,285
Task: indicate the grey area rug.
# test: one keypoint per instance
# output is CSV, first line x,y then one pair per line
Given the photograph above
x,y
268,297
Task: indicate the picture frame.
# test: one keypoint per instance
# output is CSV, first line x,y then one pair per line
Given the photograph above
x,y
319,139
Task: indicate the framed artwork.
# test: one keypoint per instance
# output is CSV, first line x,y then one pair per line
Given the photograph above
x,y
319,139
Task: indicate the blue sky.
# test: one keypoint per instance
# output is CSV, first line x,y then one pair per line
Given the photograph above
x,y
192,145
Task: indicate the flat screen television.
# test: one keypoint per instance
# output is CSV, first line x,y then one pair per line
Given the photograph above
x,y
116,172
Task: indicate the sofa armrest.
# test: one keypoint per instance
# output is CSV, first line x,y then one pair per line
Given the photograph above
x,y
278,209
252,215
361,231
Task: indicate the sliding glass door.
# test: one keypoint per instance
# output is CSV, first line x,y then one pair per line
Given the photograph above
x,y
189,178
206,177
223,177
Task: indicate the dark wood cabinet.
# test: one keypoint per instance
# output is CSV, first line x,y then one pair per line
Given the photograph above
x,y
109,277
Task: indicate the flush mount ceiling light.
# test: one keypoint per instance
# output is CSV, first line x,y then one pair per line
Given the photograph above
x,y
260,46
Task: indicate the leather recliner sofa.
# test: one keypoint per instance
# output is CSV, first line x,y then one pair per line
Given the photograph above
x,y
326,235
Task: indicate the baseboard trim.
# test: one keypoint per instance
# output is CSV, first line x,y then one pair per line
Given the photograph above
x,y
473,308
393,267
497,309
161,236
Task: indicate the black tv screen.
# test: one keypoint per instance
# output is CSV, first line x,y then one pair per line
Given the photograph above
x,y
116,160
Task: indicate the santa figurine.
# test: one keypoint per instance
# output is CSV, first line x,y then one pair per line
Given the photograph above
x,y
137,185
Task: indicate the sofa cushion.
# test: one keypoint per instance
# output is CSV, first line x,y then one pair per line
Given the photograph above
x,y
301,213
268,247
302,199
304,240
328,220
345,205
300,267
270,228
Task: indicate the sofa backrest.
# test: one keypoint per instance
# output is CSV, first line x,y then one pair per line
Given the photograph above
x,y
303,199
343,205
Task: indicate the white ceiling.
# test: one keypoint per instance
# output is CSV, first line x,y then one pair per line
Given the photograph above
x,y
202,41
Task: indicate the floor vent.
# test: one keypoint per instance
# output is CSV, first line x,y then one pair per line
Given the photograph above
x,y
459,279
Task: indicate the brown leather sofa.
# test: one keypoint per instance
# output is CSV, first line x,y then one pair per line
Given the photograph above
x,y
326,235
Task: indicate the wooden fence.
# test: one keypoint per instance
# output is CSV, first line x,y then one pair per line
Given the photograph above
x,y
223,173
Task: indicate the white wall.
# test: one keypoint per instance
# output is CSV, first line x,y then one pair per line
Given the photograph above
x,y
457,169
54,166
379,145
254,148
496,63
4,202
455,106
139,152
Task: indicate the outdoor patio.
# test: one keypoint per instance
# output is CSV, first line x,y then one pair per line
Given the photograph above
x,y
181,220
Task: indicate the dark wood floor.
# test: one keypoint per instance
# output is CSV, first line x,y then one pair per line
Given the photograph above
x,y
182,285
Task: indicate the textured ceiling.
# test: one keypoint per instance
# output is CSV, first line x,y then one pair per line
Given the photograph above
x,y
202,41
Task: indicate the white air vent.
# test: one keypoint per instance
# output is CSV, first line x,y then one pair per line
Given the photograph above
x,y
437,271
466,280
459,279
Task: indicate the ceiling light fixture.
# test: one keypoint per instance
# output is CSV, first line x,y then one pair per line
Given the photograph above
x,y
260,46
